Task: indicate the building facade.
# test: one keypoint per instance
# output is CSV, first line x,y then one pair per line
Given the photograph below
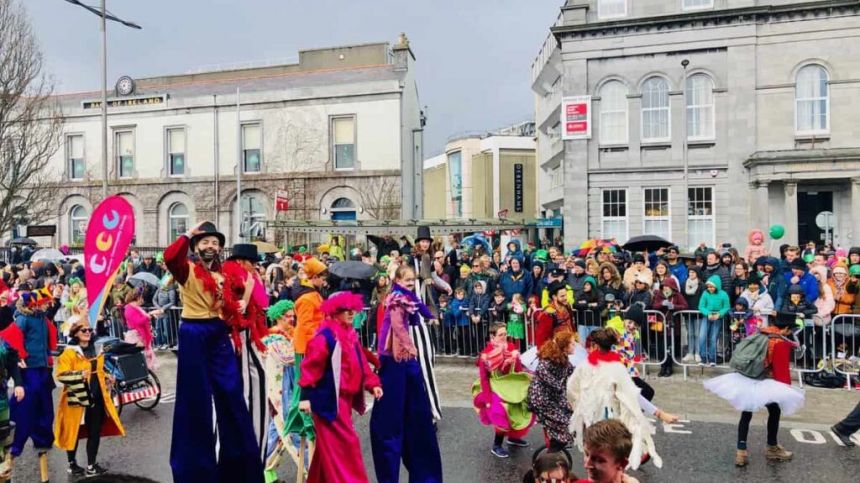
x,y
708,118
338,135
483,176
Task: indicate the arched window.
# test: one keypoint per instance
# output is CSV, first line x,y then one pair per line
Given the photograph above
x,y
812,100
177,216
253,215
78,217
700,107
613,113
655,110
343,209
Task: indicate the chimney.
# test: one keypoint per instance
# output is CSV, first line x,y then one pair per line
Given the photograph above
x,y
401,52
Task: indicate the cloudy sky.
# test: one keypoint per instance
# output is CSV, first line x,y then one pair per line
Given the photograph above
x,y
473,55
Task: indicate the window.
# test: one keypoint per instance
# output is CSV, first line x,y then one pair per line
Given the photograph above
x,y
75,152
655,110
177,216
613,223
557,177
611,8
124,147
343,209
695,4
700,216
253,216
613,113
78,217
343,144
251,148
657,213
176,152
700,107
812,101
455,172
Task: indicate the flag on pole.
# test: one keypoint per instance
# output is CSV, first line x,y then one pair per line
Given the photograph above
x,y
109,235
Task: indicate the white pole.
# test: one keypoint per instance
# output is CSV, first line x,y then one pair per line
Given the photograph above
x,y
104,104
238,171
686,211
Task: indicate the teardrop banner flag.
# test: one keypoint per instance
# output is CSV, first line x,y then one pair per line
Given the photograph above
x,y
109,234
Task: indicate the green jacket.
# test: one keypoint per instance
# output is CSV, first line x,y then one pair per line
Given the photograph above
x,y
714,302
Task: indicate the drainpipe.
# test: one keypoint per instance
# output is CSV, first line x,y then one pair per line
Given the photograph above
x,y
216,159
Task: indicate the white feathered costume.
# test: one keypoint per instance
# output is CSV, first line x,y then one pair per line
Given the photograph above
x,y
601,388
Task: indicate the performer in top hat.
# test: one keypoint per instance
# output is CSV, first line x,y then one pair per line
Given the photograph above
x,y
207,370
245,304
422,263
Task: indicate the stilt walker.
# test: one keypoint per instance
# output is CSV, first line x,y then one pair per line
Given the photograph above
x,y
401,426
208,371
245,304
34,337
422,263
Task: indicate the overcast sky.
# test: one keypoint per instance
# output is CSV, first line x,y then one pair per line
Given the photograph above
x,y
473,56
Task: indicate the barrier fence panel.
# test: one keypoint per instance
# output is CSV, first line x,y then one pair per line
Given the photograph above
x,y
845,346
812,350
698,341
652,336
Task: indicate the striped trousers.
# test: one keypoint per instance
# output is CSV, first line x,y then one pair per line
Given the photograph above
x,y
254,388
427,359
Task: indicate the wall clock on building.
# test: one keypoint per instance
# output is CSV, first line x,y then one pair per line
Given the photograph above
x,y
124,86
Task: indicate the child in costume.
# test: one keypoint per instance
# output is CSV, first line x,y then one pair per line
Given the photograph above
x,y
139,324
280,379
500,392
756,248
401,426
334,374
516,325
744,322
546,391
774,392
629,345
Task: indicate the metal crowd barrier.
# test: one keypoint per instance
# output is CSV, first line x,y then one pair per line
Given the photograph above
x,y
845,346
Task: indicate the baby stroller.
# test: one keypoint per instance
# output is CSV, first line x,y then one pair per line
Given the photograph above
x,y
135,383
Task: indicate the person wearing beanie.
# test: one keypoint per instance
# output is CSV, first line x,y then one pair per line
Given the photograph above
x,y
331,389
843,293
774,392
280,381
204,344
799,275
760,302
637,269
576,277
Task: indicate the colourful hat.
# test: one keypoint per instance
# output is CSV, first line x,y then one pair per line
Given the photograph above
x,y
341,301
278,310
464,269
314,267
159,257
854,271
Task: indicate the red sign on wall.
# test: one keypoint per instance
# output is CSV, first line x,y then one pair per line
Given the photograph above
x,y
282,203
576,117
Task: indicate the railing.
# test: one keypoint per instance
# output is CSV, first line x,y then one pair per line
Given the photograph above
x,y
845,346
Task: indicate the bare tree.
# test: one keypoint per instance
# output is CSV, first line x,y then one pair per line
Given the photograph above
x,y
31,123
380,197
301,142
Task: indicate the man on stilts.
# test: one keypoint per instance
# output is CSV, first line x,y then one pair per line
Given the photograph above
x,y
207,370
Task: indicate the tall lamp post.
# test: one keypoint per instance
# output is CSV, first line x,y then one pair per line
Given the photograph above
x,y
102,12
684,64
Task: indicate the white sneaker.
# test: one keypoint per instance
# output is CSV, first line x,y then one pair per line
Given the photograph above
x,y
688,358
698,358
712,364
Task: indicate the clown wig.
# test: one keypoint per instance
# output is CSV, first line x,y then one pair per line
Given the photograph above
x,y
278,310
341,301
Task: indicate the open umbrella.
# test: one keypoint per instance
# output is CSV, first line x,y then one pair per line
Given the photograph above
x,y
646,242
353,270
144,278
48,254
266,247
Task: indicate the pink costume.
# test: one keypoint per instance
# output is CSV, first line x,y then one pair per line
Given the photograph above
x,y
756,248
337,457
138,320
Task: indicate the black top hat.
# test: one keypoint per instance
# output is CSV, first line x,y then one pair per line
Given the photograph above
x,y
636,314
784,319
244,251
423,233
208,229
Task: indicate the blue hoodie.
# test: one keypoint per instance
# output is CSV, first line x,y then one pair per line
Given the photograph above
x,y
517,251
807,282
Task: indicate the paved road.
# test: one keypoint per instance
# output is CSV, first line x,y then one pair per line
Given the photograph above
x,y
693,451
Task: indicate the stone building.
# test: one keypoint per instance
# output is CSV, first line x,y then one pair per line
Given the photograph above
x,y
708,117
339,134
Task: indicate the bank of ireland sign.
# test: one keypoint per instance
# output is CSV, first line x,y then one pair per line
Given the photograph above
x,y
576,117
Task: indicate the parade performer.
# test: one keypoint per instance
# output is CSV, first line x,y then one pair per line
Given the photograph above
x,y
334,374
139,323
309,316
603,389
85,398
244,310
772,389
8,370
422,263
546,392
207,368
501,391
34,337
280,356
557,316
401,426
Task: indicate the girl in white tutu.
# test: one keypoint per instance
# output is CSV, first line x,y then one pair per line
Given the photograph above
x,y
773,392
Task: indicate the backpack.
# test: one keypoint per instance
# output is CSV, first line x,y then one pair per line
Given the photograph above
x,y
749,356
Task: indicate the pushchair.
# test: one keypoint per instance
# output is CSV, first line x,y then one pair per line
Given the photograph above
x,y
135,383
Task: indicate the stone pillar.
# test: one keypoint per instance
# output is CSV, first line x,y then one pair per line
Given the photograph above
x,y
763,205
855,211
790,212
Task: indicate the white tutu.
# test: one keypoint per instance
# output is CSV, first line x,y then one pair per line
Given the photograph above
x,y
747,394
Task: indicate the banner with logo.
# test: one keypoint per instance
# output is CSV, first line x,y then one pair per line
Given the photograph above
x,y
109,235
576,117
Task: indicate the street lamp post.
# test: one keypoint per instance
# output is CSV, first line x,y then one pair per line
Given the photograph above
x,y
684,64
104,17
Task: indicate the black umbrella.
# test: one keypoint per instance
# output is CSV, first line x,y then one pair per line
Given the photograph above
x,y
22,241
646,242
354,270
